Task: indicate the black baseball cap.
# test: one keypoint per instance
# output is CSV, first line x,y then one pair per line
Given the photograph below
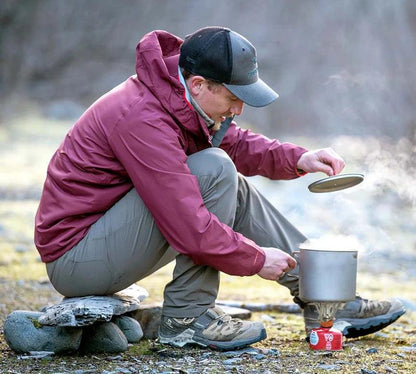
x,y
224,56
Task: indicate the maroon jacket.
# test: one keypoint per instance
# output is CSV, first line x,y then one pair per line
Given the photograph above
x,y
139,135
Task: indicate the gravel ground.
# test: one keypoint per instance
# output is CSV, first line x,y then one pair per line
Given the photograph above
x,y
285,351
380,213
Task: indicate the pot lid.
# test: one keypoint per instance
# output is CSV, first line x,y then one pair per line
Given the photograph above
x,y
336,183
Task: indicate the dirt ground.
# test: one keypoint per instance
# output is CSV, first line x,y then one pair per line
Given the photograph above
x,y
284,351
23,285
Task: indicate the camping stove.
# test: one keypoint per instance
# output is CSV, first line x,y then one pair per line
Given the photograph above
x,y
327,279
326,337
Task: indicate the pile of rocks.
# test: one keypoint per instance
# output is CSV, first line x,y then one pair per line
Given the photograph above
x,y
89,324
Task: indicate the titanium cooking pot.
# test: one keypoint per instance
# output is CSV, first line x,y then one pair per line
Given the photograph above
x,y
327,275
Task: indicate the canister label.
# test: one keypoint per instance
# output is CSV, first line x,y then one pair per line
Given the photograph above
x,y
325,339
313,338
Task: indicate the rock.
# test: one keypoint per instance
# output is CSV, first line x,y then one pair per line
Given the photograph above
x,y
103,338
371,350
367,371
84,311
119,370
58,328
130,328
328,367
149,317
36,355
232,361
248,350
23,333
408,348
389,369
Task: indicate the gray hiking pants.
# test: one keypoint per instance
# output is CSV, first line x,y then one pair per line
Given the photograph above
x,y
125,246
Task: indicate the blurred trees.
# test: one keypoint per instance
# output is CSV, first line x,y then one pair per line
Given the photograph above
x,y
341,66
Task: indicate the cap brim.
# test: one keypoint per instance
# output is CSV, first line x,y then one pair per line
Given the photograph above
x,y
257,94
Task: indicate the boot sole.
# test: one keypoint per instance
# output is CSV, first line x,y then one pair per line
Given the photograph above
x,y
229,346
370,325
181,340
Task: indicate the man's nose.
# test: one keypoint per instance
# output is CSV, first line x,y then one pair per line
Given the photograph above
x,y
237,107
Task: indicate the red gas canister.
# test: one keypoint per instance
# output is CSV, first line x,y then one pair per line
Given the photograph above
x,y
325,338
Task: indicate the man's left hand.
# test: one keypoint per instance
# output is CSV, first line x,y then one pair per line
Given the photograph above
x,y
324,160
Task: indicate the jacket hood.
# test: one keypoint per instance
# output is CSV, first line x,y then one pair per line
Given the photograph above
x,y
157,59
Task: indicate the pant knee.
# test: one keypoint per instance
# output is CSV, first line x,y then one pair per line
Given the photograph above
x,y
214,163
218,182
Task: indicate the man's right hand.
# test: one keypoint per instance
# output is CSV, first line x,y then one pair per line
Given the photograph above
x,y
276,264
325,160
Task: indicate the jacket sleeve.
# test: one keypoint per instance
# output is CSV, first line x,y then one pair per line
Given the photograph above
x,y
255,154
156,164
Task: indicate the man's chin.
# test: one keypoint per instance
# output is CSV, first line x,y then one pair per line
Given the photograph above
x,y
217,126
218,122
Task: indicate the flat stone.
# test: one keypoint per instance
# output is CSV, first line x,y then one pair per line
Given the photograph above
x,y
85,311
24,334
130,328
103,338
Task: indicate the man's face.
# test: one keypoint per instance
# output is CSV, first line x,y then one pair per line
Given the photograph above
x,y
216,101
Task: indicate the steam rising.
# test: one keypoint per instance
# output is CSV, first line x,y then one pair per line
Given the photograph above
x,y
376,217
393,167
333,242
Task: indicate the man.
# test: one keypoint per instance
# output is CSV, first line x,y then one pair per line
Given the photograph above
x,y
153,172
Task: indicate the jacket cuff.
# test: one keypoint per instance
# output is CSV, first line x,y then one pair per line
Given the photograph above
x,y
300,172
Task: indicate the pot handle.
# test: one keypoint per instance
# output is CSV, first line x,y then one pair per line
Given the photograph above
x,y
294,254
291,275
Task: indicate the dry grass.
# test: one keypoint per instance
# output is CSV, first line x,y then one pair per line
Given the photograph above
x,y
27,147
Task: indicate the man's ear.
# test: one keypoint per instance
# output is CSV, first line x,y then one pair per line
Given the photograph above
x,y
195,84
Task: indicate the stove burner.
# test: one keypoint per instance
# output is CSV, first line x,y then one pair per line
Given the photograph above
x,y
326,337
327,310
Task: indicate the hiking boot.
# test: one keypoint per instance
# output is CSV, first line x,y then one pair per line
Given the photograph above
x,y
213,329
358,317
